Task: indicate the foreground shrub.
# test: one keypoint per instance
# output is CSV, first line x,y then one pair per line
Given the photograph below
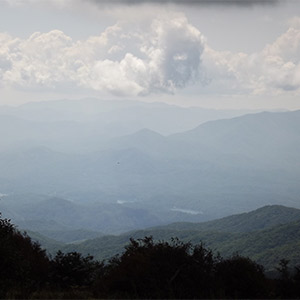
x,y
74,270
180,270
24,266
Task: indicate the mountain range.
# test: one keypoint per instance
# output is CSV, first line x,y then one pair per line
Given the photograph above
x,y
138,179
266,235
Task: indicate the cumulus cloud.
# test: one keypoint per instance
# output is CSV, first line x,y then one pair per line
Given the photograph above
x,y
275,69
159,56
125,62
282,60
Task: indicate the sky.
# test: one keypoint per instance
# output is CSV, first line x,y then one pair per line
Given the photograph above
x,y
211,53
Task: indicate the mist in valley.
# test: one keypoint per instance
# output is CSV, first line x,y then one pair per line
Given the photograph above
x,y
111,167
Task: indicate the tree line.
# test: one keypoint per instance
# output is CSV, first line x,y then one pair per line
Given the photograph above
x,y
146,269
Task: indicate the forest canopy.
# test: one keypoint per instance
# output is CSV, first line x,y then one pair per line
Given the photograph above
x,y
146,269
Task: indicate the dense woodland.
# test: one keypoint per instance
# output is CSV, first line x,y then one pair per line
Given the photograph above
x,y
265,235
146,269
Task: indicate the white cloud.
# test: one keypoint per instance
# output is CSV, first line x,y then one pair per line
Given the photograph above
x,y
276,69
121,61
175,50
39,60
160,56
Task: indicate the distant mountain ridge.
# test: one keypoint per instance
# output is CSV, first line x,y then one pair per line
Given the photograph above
x,y
134,115
53,215
220,168
259,219
266,235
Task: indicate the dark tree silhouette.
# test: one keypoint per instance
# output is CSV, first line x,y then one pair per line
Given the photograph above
x,y
239,278
179,270
146,269
161,270
74,270
23,264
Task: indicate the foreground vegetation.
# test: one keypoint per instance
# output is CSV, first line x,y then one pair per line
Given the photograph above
x,y
146,269
265,235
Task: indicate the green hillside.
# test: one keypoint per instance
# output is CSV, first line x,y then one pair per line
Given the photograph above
x,y
268,246
71,236
266,235
147,269
51,245
258,219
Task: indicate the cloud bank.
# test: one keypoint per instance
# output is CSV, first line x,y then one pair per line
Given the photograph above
x,y
160,56
274,70
121,61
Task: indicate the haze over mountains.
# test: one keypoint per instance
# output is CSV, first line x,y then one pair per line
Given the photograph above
x,y
79,126
266,235
110,167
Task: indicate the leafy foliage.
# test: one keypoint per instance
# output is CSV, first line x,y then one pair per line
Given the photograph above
x,y
277,236
146,269
23,264
174,269
73,270
160,270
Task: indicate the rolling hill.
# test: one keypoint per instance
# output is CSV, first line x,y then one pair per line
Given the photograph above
x,y
266,235
217,169
259,219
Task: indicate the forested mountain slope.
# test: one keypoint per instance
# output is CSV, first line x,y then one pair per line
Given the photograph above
x,y
276,235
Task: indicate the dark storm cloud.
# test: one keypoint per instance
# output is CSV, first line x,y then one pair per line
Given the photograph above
x,y
192,2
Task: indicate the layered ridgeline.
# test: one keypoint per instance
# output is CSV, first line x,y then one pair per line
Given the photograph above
x,y
80,178
266,235
147,269
79,120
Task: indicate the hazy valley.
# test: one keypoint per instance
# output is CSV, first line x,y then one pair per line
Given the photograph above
x,y
80,175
